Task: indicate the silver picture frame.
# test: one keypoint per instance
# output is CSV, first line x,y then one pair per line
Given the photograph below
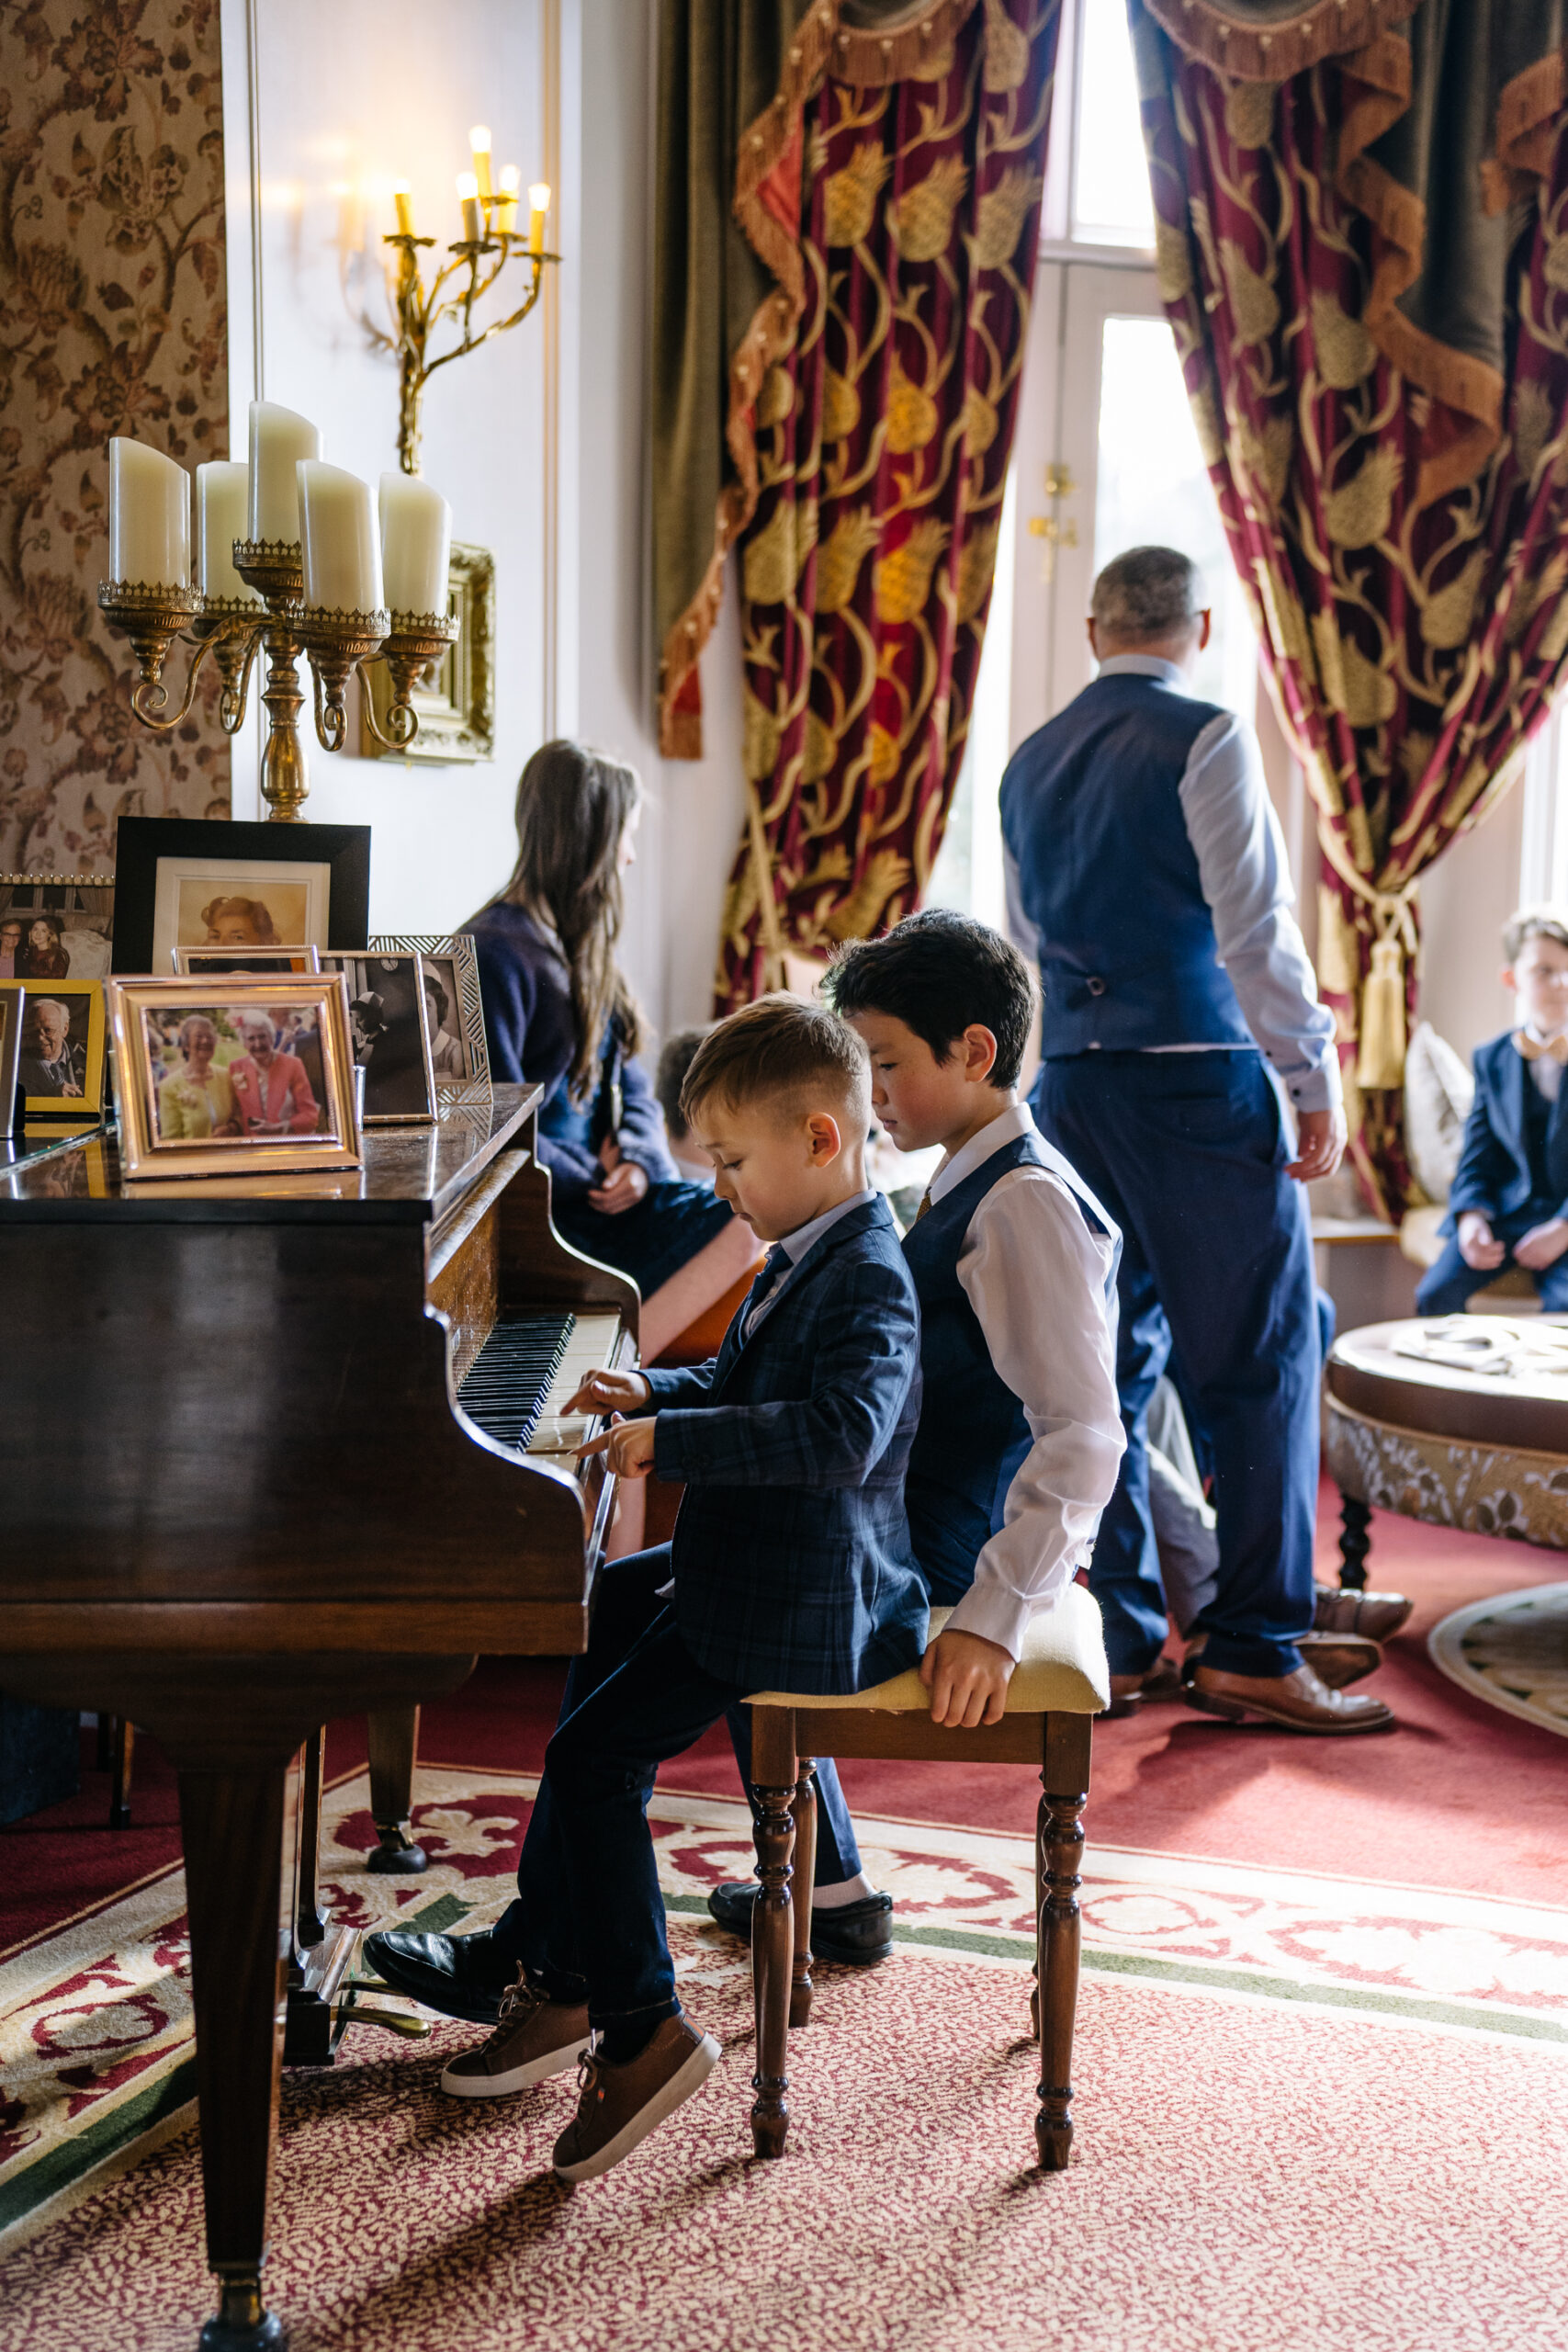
x,y
455,961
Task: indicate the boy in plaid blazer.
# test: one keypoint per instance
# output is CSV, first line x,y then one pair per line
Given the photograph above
x,y
791,1568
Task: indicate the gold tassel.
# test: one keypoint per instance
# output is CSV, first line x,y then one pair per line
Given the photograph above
x,y
1380,1063
1337,956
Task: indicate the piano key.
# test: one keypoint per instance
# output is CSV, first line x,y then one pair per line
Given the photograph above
x,y
592,1345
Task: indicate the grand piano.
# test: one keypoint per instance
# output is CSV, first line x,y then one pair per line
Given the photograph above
x,y
275,1450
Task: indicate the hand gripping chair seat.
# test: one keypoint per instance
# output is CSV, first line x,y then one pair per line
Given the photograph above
x,y
1059,1685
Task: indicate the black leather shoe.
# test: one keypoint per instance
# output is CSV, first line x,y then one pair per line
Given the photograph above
x,y
460,1976
859,1935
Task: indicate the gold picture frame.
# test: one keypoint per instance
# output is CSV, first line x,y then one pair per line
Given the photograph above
x,y
79,1061
231,1135
454,700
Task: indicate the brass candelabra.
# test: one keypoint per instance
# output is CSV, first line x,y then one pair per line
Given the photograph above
x,y
421,310
235,632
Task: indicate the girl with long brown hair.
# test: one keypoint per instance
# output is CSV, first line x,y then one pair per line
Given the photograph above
x,y
559,1013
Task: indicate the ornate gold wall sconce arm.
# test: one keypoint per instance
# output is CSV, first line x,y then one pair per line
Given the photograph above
x,y
413,642
422,311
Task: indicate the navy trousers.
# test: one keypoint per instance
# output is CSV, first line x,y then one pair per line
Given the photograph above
x,y
588,1923
1444,1287
1187,1151
539,1929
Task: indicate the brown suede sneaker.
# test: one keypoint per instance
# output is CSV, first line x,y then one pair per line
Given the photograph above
x,y
535,2038
619,2105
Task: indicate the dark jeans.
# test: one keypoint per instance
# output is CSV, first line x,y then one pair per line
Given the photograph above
x,y
1444,1287
588,1918
1187,1153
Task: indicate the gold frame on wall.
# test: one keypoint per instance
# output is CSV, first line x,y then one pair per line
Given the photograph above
x,y
456,709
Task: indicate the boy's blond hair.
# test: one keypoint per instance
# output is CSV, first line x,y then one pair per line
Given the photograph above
x,y
1539,921
780,1046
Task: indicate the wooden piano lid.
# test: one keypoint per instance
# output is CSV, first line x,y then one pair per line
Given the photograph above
x,y
411,1176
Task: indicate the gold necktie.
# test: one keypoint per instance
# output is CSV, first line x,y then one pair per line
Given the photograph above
x,y
925,1203
1536,1049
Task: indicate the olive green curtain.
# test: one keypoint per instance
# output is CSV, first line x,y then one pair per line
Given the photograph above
x,y
725,66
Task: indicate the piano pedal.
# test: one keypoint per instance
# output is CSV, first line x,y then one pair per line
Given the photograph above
x,y
397,1856
352,2012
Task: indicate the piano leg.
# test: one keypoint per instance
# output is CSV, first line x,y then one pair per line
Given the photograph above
x,y
393,1738
235,1827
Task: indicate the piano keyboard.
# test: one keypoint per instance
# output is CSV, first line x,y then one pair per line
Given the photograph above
x,y
519,1385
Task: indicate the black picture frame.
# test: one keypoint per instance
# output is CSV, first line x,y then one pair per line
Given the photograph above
x,y
142,841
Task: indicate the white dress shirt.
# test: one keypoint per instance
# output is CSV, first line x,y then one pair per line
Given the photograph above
x,y
1546,1073
1246,880
797,1243
1035,1276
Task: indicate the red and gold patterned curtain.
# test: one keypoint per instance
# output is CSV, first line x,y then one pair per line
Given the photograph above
x,y
906,170
1364,256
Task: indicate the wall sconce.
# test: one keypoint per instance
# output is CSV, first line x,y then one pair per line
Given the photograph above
x,y
490,239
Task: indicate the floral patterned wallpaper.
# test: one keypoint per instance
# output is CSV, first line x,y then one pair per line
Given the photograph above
x,y
112,320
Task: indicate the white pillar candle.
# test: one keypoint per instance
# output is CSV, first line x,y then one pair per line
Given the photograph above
x,y
468,195
416,540
222,510
279,438
538,205
343,553
504,211
148,516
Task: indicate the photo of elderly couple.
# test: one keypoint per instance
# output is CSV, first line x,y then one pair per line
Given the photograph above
x,y
237,1070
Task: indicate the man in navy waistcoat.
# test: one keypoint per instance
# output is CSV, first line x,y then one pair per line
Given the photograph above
x,y
1146,873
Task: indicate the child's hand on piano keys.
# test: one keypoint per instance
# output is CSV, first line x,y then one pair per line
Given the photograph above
x,y
609,1392
628,1448
967,1677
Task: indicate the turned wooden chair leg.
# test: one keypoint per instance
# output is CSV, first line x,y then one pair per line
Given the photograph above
x,y
774,1774
1064,1788
804,1811
1355,1543
122,1746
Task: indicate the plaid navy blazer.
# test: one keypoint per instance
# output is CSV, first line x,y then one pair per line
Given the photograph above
x,y
793,1565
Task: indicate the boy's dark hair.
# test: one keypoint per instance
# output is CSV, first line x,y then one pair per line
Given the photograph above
x,y
779,1046
1533,922
673,1063
939,972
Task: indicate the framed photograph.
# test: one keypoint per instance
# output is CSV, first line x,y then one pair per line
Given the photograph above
x,y
12,1005
60,1073
55,926
390,1042
194,882
191,960
456,697
455,1018
234,1076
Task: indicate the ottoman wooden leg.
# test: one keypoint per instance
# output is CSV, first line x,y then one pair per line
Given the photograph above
x,y
804,1879
1355,1543
773,1924
1065,1784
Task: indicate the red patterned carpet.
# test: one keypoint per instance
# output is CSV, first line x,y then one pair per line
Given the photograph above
x,y
1250,2177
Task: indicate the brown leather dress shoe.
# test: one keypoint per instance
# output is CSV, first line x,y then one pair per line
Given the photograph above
x,y
1337,1609
1129,1692
1337,1659
1299,1702
618,2106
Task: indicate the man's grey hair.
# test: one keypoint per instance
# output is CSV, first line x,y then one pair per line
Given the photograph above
x,y
1147,593
38,1005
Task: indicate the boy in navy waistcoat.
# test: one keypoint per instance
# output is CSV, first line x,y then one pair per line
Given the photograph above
x,y
1509,1201
791,1568
1015,1263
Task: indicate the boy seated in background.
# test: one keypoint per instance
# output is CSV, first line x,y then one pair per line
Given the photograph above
x,y
790,1569
1509,1201
673,1063
1014,1262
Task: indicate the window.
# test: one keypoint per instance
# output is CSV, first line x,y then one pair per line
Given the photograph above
x,y
1110,201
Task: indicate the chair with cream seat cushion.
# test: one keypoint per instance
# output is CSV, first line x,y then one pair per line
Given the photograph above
x,y
1059,1685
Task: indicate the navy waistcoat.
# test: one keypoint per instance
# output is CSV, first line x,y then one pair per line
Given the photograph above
x,y
1091,815
973,1434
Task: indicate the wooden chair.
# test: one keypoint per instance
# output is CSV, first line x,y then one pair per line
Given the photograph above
x,y
1060,1684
